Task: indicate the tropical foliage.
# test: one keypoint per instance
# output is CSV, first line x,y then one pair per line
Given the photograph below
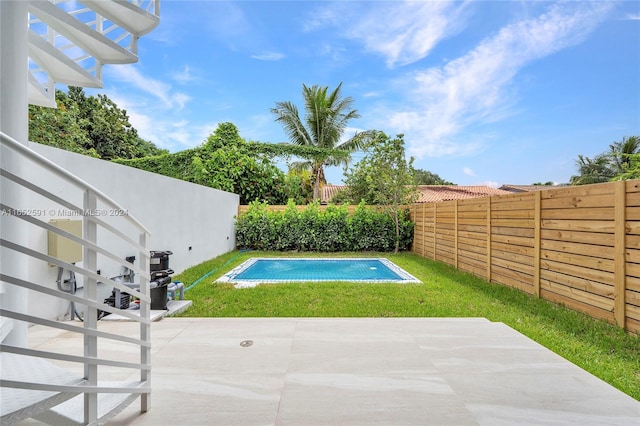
x,y
632,169
619,163
425,177
89,125
323,125
224,161
329,230
384,177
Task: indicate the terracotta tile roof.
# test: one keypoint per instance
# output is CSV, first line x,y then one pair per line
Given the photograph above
x,y
435,193
524,188
430,193
328,191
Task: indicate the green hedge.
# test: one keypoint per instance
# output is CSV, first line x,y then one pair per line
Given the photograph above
x,y
314,230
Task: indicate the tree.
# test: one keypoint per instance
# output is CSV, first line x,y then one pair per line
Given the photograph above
x,y
622,151
384,177
225,162
299,187
425,177
593,170
632,171
59,127
324,123
610,165
88,125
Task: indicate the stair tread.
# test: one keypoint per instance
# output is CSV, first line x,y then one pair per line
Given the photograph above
x,y
17,402
126,15
72,410
59,66
99,46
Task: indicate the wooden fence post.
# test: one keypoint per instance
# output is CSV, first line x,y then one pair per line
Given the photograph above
x,y
455,233
424,232
489,238
536,244
619,278
435,221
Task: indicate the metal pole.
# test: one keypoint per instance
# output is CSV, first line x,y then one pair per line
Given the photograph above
x,y
14,122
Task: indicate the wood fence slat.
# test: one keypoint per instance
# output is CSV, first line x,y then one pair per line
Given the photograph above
x,y
516,241
573,301
590,286
579,202
516,232
503,257
633,213
633,283
601,264
587,225
513,223
578,271
526,204
578,191
599,213
513,214
527,251
580,237
593,250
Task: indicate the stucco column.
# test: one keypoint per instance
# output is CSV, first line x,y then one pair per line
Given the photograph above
x,y
13,122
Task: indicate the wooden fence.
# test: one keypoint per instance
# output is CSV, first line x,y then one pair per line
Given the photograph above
x,y
577,246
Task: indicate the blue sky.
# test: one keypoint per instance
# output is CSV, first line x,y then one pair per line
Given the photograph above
x,y
484,92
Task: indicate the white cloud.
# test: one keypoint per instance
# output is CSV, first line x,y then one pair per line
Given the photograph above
x,y
184,76
401,32
268,56
467,171
162,91
475,88
489,183
157,117
407,32
181,99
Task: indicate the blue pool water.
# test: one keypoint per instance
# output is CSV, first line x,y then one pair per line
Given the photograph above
x,y
286,270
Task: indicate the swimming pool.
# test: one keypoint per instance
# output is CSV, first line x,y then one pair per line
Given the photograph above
x,y
276,270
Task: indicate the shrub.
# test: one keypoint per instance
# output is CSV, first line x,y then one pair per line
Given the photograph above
x,y
311,229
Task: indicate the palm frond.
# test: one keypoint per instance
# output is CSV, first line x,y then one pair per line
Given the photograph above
x,y
300,166
287,114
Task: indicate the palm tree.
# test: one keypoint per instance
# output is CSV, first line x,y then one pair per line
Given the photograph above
x,y
622,151
593,170
324,123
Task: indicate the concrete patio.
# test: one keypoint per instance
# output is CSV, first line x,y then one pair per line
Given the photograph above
x,y
358,371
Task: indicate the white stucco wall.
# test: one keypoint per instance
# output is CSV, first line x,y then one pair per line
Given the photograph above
x,y
195,222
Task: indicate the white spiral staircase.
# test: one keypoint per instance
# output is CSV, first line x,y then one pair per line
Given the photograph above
x,y
68,42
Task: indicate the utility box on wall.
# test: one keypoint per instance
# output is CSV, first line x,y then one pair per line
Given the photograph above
x,y
63,248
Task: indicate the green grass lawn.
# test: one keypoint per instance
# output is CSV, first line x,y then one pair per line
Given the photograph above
x,y
598,347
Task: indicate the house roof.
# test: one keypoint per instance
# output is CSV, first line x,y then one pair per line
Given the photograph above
x,y
430,193
435,193
328,191
524,188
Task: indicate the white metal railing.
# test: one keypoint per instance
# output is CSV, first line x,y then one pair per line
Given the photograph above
x,y
97,228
